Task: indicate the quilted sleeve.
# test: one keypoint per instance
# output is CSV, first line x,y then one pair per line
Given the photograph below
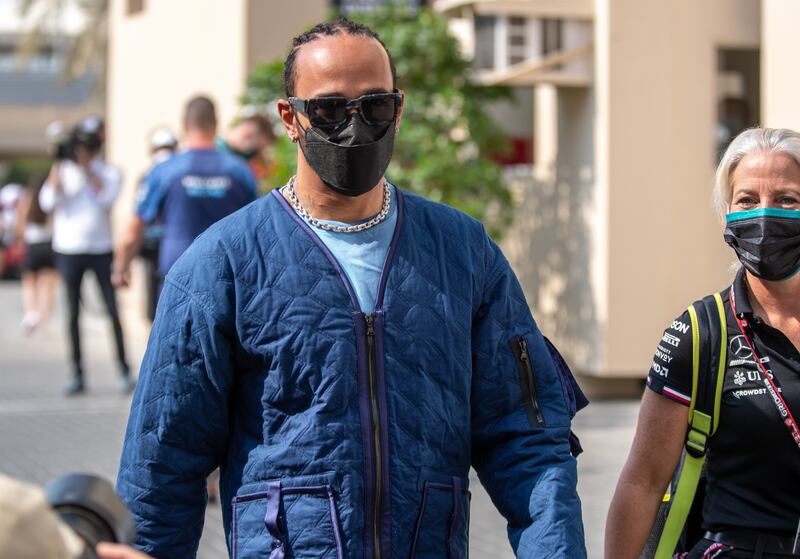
x,y
521,423
178,424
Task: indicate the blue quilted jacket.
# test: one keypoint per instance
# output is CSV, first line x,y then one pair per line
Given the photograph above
x,y
340,434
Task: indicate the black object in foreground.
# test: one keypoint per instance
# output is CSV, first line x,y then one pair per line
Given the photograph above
x,y
91,508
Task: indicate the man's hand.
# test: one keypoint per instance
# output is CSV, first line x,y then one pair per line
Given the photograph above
x,y
118,551
127,248
121,277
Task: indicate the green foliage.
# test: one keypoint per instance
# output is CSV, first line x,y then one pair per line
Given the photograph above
x,y
445,139
21,169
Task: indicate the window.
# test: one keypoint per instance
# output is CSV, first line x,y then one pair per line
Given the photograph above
x,y
738,94
517,40
551,35
484,42
135,7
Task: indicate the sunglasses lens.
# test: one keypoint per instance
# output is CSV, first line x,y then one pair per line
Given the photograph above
x,y
380,108
327,111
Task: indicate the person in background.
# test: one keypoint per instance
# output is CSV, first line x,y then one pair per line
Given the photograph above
x,y
38,268
751,506
30,529
187,193
162,143
80,191
10,247
250,137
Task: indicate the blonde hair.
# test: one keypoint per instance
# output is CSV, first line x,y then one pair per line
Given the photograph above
x,y
752,140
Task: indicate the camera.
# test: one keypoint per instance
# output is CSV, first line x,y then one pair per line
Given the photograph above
x,y
89,134
89,506
66,147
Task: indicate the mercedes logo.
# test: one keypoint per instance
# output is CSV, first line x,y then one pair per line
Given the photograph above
x,y
739,347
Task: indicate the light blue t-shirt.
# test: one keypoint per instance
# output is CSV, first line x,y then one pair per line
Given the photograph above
x,y
362,255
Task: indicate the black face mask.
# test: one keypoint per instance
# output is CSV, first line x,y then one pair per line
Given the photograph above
x,y
352,158
767,241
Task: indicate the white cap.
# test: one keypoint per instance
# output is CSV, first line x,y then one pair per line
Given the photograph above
x,y
55,131
29,529
162,138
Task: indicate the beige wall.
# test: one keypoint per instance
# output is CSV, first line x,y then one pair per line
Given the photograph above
x,y
270,30
780,85
158,59
664,246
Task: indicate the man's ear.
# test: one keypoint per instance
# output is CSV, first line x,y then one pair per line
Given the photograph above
x,y
287,118
400,110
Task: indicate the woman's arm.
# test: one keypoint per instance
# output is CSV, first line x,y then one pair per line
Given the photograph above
x,y
656,450
22,215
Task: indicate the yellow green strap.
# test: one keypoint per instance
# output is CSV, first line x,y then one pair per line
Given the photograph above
x,y
701,427
695,357
681,504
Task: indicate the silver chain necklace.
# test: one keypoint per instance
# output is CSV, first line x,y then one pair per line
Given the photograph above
x,y
301,211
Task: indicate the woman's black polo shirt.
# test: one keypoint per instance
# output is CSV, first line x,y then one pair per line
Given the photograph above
x,y
753,464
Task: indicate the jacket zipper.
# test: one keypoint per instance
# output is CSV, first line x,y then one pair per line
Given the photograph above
x,y
376,431
527,382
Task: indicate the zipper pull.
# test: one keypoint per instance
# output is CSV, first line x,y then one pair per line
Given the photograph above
x,y
370,321
523,349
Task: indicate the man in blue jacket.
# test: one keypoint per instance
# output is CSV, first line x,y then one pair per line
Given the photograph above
x,y
344,352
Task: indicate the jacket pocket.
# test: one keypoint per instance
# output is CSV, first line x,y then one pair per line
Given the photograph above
x,y
442,529
527,382
287,518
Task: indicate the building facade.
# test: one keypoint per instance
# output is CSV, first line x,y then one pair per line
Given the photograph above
x,y
33,91
629,104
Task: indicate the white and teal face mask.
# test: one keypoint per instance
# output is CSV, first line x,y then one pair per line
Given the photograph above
x,y
766,240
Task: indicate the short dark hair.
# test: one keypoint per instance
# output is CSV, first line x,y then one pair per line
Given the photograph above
x,y
200,113
328,29
263,123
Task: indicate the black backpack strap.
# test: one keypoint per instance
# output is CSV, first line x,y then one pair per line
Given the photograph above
x,y
713,353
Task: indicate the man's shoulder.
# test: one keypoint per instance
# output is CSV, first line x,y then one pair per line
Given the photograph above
x,y
232,162
441,216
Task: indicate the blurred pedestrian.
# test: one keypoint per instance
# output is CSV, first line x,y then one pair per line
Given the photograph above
x,y
186,193
751,442
162,143
11,252
250,138
80,191
38,269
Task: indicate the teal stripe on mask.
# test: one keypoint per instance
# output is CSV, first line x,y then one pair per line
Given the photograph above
x,y
762,212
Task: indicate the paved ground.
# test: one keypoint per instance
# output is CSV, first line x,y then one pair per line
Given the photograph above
x,y
43,435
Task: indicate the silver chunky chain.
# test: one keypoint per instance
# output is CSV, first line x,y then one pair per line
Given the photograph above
x,y
301,211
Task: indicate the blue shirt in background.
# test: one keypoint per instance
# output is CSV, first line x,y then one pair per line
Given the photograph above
x,y
191,191
362,255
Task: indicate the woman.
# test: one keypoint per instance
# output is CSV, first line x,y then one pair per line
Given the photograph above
x,y
752,502
38,269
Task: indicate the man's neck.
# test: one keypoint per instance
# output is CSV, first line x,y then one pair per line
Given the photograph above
x,y
322,202
197,139
776,301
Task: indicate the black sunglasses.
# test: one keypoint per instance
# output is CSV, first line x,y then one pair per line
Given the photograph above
x,y
329,112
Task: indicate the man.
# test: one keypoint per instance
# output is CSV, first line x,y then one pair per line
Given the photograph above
x,y
187,193
162,144
345,352
249,138
80,191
